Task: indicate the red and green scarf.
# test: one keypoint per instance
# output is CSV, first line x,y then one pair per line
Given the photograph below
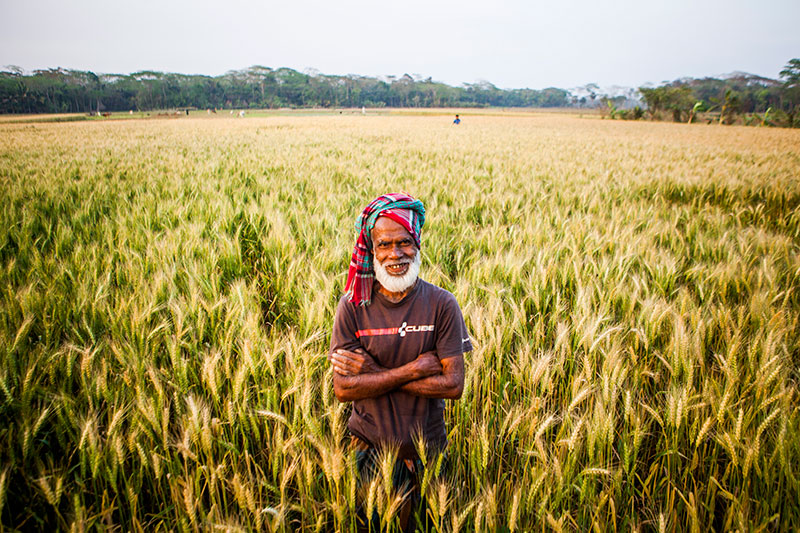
x,y
400,207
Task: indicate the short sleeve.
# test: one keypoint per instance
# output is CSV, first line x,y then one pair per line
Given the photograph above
x,y
344,327
452,337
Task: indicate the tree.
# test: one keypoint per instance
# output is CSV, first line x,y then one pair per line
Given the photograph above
x,y
679,100
791,73
698,106
729,105
791,90
653,99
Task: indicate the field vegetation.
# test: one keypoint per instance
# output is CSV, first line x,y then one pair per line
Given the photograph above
x,y
168,288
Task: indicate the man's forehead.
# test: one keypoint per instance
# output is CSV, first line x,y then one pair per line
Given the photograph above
x,y
386,227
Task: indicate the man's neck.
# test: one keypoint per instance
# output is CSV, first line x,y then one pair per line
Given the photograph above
x,y
395,297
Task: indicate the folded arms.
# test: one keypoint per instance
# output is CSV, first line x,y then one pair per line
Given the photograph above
x,y
356,376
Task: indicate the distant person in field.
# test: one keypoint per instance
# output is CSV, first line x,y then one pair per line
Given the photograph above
x,y
397,347
457,121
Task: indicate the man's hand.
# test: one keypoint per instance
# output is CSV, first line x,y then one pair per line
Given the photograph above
x,y
347,363
428,364
449,383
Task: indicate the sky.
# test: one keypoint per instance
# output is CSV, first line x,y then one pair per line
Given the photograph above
x,y
510,43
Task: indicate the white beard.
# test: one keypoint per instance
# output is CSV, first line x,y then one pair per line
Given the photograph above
x,y
398,283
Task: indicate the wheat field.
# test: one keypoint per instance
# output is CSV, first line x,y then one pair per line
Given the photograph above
x,y
168,289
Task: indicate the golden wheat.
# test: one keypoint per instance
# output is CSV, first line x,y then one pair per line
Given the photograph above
x,y
168,288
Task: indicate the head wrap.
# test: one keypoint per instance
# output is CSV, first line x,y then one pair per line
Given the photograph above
x,y
400,207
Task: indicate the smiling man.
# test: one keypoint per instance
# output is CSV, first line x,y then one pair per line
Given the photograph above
x,y
397,344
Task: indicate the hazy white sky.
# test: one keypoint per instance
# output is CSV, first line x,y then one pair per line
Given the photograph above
x,y
511,43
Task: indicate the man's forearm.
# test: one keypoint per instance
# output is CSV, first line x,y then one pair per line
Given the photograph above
x,y
373,384
441,386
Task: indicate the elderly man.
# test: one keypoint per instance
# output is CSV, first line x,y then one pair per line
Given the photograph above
x,y
397,345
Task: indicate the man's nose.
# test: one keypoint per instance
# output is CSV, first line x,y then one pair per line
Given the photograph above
x,y
396,251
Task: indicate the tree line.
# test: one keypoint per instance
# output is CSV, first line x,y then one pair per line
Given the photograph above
x,y
738,99
741,98
73,91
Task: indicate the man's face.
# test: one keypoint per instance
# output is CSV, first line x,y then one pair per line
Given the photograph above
x,y
396,255
393,246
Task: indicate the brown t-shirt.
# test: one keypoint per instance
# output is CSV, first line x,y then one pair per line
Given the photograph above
x,y
427,319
